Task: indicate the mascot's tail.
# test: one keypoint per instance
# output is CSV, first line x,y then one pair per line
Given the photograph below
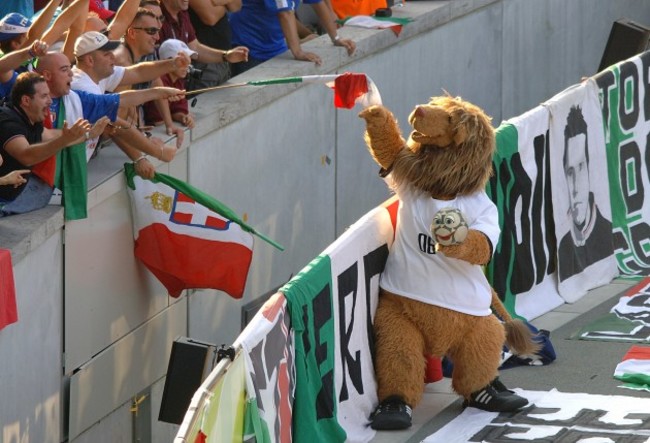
x,y
519,338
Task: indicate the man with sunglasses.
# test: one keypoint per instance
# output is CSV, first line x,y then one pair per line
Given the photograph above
x,y
139,43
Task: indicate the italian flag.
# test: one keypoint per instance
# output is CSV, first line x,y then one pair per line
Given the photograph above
x,y
634,370
186,238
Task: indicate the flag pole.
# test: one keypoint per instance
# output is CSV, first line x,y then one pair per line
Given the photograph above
x,y
273,81
214,88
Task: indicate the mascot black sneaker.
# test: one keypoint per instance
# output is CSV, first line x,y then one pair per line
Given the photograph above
x,y
492,399
392,414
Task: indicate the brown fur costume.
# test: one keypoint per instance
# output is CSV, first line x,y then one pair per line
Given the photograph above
x,y
448,154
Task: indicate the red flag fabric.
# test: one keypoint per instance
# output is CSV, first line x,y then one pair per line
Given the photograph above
x,y
183,243
46,169
201,437
8,310
348,88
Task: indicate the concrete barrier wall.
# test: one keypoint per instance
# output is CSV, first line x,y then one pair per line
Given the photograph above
x,y
287,160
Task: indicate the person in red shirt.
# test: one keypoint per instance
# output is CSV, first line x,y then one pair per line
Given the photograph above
x,y
179,109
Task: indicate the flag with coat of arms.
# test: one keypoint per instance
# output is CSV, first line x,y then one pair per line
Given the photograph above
x,y
186,238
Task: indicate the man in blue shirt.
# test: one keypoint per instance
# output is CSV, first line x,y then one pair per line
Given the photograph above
x,y
268,28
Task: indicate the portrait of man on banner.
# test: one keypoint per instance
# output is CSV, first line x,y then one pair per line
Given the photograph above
x,y
589,238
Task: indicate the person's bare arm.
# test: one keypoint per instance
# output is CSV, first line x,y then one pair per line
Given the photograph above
x,y
14,59
304,33
15,178
137,97
28,155
153,146
73,14
170,128
148,71
212,55
122,19
38,27
290,31
325,16
143,167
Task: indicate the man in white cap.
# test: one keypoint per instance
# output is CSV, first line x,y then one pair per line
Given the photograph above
x,y
96,73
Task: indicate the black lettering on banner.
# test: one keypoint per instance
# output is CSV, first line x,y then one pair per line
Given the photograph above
x,y
347,289
539,209
585,417
513,261
623,252
630,176
507,426
426,243
322,309
373,265
551,242
505,434
628,116
639,235
259,373
645,66
606,81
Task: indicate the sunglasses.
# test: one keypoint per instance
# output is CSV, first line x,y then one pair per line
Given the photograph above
x,y
150,31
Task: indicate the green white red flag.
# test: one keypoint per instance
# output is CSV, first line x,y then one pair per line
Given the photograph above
x,y
634,370
186,238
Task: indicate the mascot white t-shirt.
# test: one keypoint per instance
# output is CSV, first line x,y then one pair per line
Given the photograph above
x,y
416,271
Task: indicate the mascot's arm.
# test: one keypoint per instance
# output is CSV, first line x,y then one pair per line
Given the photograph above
x,y
383,135
475,249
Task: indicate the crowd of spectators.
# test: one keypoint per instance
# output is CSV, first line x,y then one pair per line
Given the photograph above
x,y
78,75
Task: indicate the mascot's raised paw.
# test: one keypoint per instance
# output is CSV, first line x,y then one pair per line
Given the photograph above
x,y
375,113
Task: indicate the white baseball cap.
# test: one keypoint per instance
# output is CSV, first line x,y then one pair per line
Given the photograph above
x,y
171,47
93,41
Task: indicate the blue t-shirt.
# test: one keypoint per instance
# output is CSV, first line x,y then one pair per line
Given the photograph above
x,y
5,88
94,106
256,26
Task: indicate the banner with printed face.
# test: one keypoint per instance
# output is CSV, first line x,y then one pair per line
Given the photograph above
x,y
581,204
522,270
625,100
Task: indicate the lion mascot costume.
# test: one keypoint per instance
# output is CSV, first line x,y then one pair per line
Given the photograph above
x,y
434,297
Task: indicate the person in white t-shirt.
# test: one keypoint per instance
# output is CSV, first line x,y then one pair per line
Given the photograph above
x,y
95,72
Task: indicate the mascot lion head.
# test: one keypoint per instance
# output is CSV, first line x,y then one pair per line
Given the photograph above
x,y
450,149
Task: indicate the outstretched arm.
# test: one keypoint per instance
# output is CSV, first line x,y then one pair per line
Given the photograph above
x,y
138,97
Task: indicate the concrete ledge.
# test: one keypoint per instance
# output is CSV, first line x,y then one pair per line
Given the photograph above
x,y
23,233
